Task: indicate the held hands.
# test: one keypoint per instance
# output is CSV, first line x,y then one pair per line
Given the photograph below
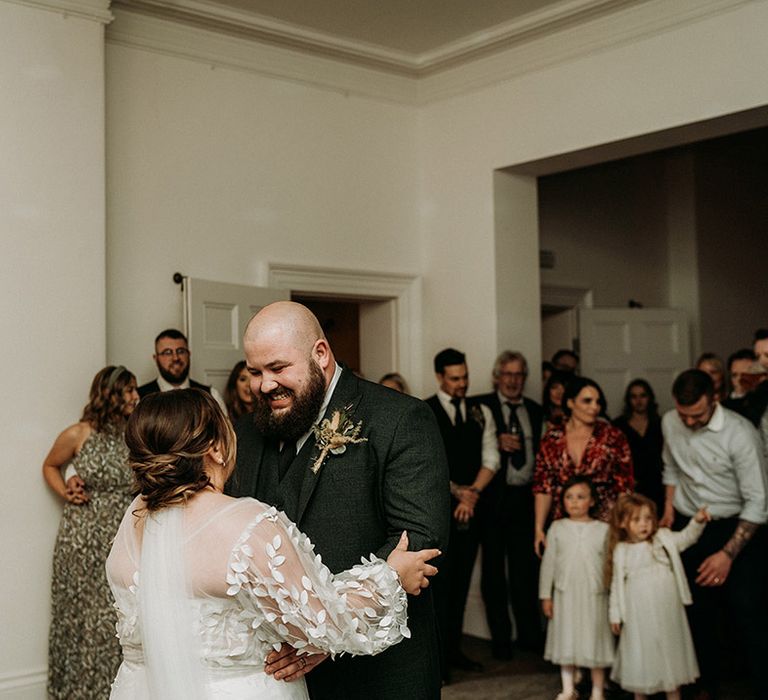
x,y
539,543
463,513
75,491
702,515
547,608
412,567
467,496
288,665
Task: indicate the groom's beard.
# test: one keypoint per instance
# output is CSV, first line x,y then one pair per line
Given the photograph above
x,y
290,425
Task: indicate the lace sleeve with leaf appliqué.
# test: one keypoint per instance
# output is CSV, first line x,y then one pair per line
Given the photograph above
x,y
290,596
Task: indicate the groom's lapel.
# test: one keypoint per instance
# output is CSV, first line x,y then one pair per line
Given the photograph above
x,y
345,397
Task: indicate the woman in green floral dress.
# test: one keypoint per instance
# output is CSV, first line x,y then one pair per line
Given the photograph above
x,y
84,653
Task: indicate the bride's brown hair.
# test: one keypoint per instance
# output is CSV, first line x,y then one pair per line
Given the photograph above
x,y
625,506
168,436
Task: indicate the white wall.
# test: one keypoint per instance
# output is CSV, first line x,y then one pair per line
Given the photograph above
x,y
677,77
52,299
607,228
215,173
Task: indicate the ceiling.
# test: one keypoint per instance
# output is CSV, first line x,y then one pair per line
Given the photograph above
x,y
413,37
409,26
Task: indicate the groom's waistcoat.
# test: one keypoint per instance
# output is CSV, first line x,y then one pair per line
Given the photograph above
x,y
282,493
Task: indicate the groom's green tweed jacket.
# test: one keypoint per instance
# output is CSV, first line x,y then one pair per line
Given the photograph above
x,y
359,502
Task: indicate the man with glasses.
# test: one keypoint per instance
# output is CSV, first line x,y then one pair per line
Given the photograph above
x,y
172,360
510,568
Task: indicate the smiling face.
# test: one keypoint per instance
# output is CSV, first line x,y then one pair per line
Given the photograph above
x,y
290,366
739,368
640,524
510,380
577,501
585,408
243,387
172,359
761,351
130,396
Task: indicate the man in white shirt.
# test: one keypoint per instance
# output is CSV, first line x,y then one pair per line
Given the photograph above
x,y
713,457
469,436
172,357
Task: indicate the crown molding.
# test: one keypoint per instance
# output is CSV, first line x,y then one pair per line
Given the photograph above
x,y
536,41
632,23
95,10
161,35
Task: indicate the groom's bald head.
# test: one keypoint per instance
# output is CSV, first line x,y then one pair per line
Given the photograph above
x,y
286,323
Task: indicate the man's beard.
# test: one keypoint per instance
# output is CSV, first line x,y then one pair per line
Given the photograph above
x,y
290,425
173,378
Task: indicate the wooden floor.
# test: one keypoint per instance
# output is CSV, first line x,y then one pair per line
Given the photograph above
x,y
528,677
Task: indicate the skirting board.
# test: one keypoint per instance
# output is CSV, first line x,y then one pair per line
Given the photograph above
x,y
24,685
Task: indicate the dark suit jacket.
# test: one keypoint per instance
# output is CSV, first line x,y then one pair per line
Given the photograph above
x,y
360,502
536,418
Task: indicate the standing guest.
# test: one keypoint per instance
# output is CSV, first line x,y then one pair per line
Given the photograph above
x,y
756,401
584,445
395,381
172,357
388,475
713,456
237,394
648,595
552,402
469,437
739,364
573,595
641,423
83,652
712,364
510,570
566,361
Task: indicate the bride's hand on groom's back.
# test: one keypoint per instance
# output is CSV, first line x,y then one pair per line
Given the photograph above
x,y
412,567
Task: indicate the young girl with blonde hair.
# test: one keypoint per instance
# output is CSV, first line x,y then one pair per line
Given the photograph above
x,y
648,594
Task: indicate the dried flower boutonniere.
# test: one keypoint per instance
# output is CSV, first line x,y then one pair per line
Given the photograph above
x,y
477,415
333,434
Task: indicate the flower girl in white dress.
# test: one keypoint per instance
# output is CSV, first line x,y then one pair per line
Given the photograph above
x,y
648,592
207,585
578,633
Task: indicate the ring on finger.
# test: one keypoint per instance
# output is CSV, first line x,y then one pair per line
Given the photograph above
x,y
716,579
303,663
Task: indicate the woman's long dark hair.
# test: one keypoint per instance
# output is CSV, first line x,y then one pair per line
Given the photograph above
x,y
236,407
653,406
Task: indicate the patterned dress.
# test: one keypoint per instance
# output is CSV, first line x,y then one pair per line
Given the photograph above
x,y
257,582
83,652
607,461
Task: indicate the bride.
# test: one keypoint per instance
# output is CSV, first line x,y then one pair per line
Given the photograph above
x,y
206,586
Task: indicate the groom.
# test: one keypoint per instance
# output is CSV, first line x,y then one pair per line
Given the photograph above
x,y
391,476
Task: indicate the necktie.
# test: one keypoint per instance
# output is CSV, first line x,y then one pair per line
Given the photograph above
x,y
458,420
516,458
287,455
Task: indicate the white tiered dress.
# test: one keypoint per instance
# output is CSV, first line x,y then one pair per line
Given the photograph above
x,y
256,582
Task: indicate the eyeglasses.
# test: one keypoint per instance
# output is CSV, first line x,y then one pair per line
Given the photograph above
x,y
512,375
169,352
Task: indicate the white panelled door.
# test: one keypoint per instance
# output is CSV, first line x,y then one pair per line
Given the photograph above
x,y
216,314
619,345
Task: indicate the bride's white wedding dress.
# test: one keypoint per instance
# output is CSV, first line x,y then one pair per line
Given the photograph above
x,y
205,591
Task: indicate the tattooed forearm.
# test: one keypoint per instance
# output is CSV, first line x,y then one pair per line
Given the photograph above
x,y
741,535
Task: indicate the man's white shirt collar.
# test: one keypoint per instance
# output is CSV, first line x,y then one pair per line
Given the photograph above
x,y
167,386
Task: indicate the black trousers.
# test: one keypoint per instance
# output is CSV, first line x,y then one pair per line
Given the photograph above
x,y
510,569
743,596
451,585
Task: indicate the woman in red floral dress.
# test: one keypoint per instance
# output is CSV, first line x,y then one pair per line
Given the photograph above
x,y
586,445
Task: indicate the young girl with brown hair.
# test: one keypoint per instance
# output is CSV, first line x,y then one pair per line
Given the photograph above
x,y
647,599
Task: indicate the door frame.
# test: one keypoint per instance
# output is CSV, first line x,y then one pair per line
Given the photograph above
x,y
402,292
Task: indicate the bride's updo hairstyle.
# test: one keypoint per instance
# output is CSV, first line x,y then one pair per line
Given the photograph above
x,y
168,435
